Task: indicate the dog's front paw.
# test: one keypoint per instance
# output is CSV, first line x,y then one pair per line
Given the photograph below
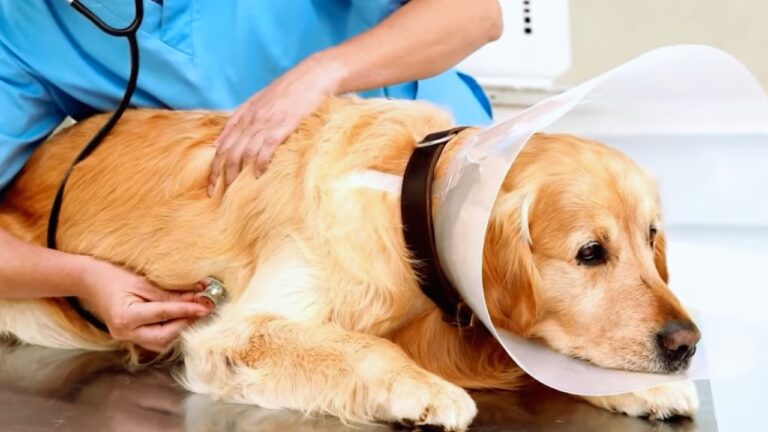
x,y
424,399
657,403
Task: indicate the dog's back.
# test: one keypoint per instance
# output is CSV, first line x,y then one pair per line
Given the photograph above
x,y
140,199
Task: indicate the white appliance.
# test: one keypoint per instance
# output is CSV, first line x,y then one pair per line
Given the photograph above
x,y
533,50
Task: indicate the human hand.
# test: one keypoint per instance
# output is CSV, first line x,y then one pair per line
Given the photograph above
x,y
137,311
264,121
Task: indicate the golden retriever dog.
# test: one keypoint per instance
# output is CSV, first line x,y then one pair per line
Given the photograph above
x,y
324,311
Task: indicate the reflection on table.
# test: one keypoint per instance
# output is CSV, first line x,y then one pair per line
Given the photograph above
x,y
43,389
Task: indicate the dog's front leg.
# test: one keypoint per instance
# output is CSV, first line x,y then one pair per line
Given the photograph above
x,y
278,363
659,403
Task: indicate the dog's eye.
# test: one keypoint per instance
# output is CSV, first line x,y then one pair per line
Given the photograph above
x,y
652,231
591,253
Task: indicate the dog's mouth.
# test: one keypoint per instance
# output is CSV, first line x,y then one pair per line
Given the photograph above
x,y
654,365
648,354
653,362
671,366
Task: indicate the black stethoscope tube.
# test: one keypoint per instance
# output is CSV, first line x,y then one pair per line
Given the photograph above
x,y
129,32
125,31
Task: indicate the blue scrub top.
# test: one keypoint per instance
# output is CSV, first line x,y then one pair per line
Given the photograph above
x,y
195,54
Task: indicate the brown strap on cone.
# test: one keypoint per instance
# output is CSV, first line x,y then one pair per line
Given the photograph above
x,y
416,214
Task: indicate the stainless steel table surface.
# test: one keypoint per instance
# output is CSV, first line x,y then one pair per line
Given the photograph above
x,y
53,390
718,272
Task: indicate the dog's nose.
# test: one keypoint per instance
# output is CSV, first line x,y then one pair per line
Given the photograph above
x,y
677,340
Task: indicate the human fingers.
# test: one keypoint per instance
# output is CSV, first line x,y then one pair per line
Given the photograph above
x,y
146,313
159,337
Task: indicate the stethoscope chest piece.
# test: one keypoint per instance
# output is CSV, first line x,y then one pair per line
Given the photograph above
x,y
214,292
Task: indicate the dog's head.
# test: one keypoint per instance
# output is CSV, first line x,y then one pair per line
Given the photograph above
x,y
575,256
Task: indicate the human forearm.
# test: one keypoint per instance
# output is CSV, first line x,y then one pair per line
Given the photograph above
x,y
31,271
421,39
133,309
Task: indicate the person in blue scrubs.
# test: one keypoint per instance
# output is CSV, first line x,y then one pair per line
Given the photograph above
x,y
270,63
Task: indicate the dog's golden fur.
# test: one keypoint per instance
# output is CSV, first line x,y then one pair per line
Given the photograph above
x,y
324,311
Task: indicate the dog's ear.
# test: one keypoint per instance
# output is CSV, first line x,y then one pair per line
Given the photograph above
x,y
510,276
660,256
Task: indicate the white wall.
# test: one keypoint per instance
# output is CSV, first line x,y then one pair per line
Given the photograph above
x,y
705,181
606,33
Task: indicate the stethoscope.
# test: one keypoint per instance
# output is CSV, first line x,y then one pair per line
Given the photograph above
x,y
215,291
128,32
